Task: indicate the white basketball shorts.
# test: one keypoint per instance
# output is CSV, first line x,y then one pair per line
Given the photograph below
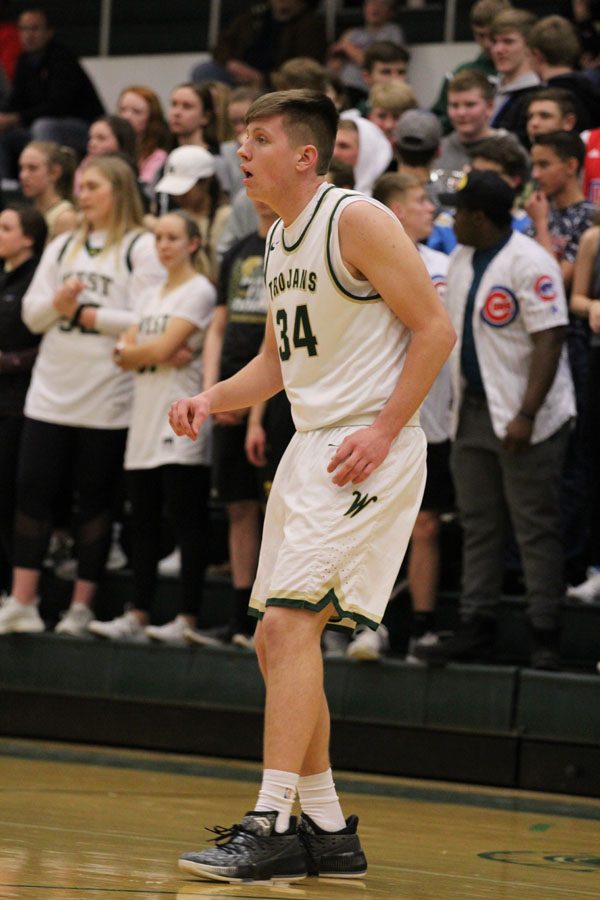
x,y
326,544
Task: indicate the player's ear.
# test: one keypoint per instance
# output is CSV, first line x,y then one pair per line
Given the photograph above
x,y
307,157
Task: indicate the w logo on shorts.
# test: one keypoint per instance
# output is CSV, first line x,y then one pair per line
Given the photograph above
x,y
359,503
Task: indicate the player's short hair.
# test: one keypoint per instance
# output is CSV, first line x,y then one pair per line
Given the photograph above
x,y
483,12
565,144
471,80
564,99
395,96
308,116
394,184
557,40
385,52
513,20
506,151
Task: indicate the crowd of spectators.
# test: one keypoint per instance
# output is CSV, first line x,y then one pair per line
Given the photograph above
x,y
132,275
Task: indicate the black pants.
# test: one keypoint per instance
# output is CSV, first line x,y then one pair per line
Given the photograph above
x,y
10,438
49,454
594,439
181,493
495,487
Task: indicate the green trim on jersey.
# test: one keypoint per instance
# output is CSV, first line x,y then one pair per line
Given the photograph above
x,y
295,246
355,298
317,606
268,248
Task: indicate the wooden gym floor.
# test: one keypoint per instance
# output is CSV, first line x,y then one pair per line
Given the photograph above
x,y
87,823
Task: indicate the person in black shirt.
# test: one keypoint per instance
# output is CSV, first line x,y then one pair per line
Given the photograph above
x,y
52,97
22,238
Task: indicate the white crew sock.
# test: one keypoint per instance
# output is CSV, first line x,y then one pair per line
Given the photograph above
x,y
319,800
278,792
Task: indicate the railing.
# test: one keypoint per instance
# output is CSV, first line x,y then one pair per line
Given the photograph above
x,y
330,8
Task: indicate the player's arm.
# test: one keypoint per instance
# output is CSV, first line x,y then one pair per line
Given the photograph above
x,y
213,345
375,247
257,381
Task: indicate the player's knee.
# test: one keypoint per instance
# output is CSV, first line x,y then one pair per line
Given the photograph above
x,y
284,628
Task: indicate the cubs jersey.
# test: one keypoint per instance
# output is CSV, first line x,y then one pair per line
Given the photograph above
x,y
75,380
341,347
435,411
150,440
520,293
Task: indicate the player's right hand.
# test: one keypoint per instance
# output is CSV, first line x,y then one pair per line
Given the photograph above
x,y
187,416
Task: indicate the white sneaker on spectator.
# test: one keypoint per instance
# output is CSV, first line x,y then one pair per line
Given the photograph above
x,y
429,639
334,643
19,618
170,566
368,645
124,628
589,590
75,621
219,636
243,640
172,633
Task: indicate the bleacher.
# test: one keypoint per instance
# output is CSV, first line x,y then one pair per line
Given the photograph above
x,y
499,724
141,26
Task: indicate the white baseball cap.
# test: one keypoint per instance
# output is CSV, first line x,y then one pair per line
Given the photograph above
x,y
185,166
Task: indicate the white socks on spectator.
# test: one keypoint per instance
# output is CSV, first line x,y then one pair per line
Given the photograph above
x,y
278,792
319,800
317,793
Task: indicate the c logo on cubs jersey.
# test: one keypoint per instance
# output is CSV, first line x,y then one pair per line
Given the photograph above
x,y
544,288
439,283
501,307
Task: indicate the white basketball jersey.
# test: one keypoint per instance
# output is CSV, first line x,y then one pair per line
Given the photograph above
x,y
150,440
75,380
341,347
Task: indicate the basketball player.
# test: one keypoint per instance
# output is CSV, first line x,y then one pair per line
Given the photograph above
x,y
356,335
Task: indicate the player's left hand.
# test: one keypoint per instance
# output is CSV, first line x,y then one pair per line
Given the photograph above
x,y
358,455
518,434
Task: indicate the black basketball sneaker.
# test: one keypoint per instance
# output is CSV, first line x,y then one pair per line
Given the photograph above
x,y
250,851
332,854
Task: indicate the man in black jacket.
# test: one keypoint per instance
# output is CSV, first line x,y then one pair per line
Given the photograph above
x,y
52,97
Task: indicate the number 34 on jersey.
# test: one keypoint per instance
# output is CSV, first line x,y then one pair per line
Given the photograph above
x,y
297,334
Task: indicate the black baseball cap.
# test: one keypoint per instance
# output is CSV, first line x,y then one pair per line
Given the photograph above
x,y
486,191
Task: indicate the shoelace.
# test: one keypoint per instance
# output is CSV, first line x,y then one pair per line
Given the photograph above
x,y
226,835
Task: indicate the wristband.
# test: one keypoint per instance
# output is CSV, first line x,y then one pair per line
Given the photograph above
x,y
76,316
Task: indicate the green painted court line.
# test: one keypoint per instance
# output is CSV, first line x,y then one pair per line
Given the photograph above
x,y
111,759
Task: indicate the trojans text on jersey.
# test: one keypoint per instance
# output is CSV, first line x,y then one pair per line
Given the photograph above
x,y
293,280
